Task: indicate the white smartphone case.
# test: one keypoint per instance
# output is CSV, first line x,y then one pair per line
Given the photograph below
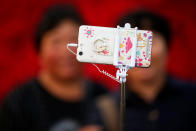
x,y
98,45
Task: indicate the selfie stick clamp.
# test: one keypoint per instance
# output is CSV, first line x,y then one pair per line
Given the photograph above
x,y
122,69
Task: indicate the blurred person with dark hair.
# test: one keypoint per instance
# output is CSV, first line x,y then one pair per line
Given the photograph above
x,y
59,99
156,101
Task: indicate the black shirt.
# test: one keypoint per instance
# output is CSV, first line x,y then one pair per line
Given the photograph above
x,y
32,108
173,110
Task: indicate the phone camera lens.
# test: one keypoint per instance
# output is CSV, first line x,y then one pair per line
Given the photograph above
x,y
80,53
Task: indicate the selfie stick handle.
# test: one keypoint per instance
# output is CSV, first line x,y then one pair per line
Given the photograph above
x,y
122,107
122,73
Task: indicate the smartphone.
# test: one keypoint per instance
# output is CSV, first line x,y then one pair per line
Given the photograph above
x,y
114,46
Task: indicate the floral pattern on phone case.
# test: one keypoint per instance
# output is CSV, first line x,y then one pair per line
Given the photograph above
x,y
126,47
144,47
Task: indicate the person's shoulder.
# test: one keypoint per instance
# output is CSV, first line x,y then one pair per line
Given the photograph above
x,y
22,92
188,89
182,84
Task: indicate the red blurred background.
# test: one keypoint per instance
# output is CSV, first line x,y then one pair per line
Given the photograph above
x,y
18,19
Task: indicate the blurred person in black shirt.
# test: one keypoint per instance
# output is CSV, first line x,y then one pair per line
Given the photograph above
x,y
59,99
156,101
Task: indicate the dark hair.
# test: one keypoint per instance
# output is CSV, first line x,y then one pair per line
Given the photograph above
x,y
148,21
53,17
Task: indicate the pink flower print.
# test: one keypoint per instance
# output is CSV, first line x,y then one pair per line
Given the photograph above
x,y
105,52
89,32
144,54
129,58
128,44
140,62
145,34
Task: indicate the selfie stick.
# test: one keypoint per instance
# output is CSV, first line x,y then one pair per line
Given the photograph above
x,y
121,73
